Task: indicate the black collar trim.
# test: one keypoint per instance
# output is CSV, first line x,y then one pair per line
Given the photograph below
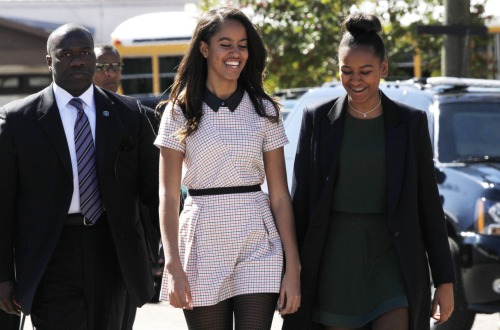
x,y
231,102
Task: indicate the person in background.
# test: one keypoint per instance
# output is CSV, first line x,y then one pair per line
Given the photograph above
x,y
224,254
75,162
368,213
108,75
108,69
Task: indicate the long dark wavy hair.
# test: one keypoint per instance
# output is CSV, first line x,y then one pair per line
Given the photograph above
x,y
188,88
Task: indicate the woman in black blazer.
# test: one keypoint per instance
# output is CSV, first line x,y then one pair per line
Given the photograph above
x,y
368,214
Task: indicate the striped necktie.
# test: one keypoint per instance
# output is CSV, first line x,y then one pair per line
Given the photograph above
x,y
90,196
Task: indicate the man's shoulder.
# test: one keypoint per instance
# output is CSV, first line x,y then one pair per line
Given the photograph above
x,y
26,104
119,100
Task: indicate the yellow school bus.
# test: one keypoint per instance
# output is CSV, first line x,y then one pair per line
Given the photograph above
x,y
151,47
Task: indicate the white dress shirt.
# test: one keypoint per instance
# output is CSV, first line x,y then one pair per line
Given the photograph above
x,y
68,116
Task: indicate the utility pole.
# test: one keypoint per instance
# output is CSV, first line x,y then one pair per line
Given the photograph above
x,y
455,51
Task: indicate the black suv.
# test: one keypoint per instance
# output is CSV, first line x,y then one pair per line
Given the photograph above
x,y
465,129
464,123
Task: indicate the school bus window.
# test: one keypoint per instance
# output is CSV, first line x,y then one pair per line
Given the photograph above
x,y
152,46
135,86
168,69
137,76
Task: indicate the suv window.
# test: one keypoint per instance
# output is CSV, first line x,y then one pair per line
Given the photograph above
x,y
468,132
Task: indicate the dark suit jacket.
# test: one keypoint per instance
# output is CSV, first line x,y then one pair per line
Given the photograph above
x,y
36,185
415,217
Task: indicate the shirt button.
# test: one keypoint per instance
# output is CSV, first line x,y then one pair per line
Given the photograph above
x,y
396,233
223,103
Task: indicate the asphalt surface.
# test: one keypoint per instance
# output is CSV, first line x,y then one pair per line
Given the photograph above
x,y
162,317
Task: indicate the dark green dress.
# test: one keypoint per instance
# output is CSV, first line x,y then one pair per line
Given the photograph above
x,y
360,276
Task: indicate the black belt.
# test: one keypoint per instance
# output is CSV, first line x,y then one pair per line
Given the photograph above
x,y
224,190
77,219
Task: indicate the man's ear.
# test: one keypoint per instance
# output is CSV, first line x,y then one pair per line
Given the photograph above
x,y
48,59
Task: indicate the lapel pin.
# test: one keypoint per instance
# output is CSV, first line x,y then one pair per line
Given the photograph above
x,y
105,113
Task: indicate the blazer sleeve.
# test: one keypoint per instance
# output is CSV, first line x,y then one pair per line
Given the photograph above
x,y
149,165
301,179
432,218
8,192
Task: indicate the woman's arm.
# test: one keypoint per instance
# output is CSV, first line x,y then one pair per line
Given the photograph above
x,y
170,182
281,207
433,226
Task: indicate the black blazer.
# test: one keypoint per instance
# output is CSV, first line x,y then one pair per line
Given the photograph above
x,y
415,217
36,185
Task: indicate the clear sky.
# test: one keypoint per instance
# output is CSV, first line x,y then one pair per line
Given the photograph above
x,y
492,7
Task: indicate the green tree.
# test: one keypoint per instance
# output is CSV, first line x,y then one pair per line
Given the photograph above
x,y
302,37
400,20
402,39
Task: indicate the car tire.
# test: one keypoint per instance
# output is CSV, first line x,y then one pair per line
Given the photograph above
x,y
462,318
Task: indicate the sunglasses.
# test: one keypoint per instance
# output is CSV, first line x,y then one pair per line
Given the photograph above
x,y
103,67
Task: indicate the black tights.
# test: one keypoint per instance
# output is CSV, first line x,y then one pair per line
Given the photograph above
x,y
251,312
396,319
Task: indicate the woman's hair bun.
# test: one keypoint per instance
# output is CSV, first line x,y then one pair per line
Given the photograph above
x,y
362,23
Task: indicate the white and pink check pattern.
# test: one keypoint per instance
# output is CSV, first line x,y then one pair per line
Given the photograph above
x,y
228,244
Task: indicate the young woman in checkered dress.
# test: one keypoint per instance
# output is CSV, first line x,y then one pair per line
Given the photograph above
x,y
225,253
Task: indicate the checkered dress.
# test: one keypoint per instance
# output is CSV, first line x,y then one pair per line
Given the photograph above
x,y
228,244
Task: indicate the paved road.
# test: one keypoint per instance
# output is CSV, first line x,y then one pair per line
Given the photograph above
x,y
161,317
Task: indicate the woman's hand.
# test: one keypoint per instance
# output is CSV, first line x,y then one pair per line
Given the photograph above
x,y
8,302
289,300
281,207
170,180
178,290
443,303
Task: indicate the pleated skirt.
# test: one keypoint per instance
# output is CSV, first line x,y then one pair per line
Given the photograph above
x,y
360,277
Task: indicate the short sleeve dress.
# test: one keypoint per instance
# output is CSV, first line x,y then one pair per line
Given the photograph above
x,y
228,244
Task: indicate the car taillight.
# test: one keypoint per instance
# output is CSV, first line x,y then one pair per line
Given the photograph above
x,y
488,217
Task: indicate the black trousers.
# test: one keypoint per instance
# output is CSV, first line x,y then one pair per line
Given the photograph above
x,y
129,314
9,321
82,288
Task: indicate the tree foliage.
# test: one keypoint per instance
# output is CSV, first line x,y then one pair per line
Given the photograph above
x,y
302,36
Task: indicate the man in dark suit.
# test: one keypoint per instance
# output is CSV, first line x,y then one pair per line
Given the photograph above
x,y
108,75
75,161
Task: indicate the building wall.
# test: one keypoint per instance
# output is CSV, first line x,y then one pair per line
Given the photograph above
x,y
22,49
102,17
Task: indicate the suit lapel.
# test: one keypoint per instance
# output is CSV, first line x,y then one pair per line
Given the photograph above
x,y
331,138
396,137
51,123
328,141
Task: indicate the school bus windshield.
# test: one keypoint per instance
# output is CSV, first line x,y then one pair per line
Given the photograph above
x,y
151,47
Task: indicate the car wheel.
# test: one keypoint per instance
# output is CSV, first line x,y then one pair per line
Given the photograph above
x,y
462,318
